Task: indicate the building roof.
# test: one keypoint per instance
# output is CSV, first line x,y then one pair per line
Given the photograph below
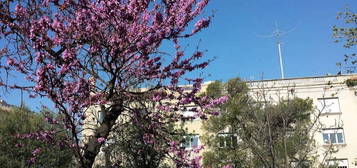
x,y
308,77
4,105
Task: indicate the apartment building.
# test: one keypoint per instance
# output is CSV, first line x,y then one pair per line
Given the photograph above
x,y
4,105
335,99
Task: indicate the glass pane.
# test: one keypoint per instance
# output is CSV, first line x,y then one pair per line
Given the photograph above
x,y
101,116
329,105
334,105
228,141
325,137
332,163
195,141
221,141
234,140
333,137
340,138
186,143
343,163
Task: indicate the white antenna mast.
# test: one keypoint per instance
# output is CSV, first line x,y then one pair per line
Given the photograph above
x,y
277,34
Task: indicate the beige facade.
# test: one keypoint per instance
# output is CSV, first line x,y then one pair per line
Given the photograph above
x,y
4,105
335,102
336,105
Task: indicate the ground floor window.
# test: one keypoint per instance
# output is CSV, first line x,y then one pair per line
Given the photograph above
x,y
340,163
227,140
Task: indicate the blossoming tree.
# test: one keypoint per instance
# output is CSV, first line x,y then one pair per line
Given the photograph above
x,y
83,53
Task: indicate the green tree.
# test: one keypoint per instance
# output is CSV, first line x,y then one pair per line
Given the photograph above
x,y
16,152
255,132
135,143
346,33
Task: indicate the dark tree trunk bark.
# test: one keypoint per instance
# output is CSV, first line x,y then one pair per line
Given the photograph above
x,y
92,147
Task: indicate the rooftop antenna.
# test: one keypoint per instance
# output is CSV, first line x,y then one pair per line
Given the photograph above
x,y
277,34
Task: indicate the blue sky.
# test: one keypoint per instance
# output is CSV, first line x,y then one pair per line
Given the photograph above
x,y
233,39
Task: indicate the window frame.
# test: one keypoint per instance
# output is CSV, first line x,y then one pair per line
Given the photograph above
x,y
191,137
340,163
224,135
187,114
324,108
336,138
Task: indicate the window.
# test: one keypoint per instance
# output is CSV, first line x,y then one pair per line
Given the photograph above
x,y
301,163
190,141
340,163
328,105
333,136
227,140
189,111
101,116
188,88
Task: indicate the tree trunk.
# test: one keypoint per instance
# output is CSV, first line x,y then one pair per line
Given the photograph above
x,y
271,142
92,147
286,158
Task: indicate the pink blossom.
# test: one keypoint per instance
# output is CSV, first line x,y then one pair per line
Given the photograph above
x,y
196,162
20,11
203,23
218,101
215,113
36,151
31,161
100,140
19,145
91,53
11,61
148,138
228,166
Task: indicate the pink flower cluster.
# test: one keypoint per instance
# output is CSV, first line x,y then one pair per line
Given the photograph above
x,y
186,158
100,140
90,53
